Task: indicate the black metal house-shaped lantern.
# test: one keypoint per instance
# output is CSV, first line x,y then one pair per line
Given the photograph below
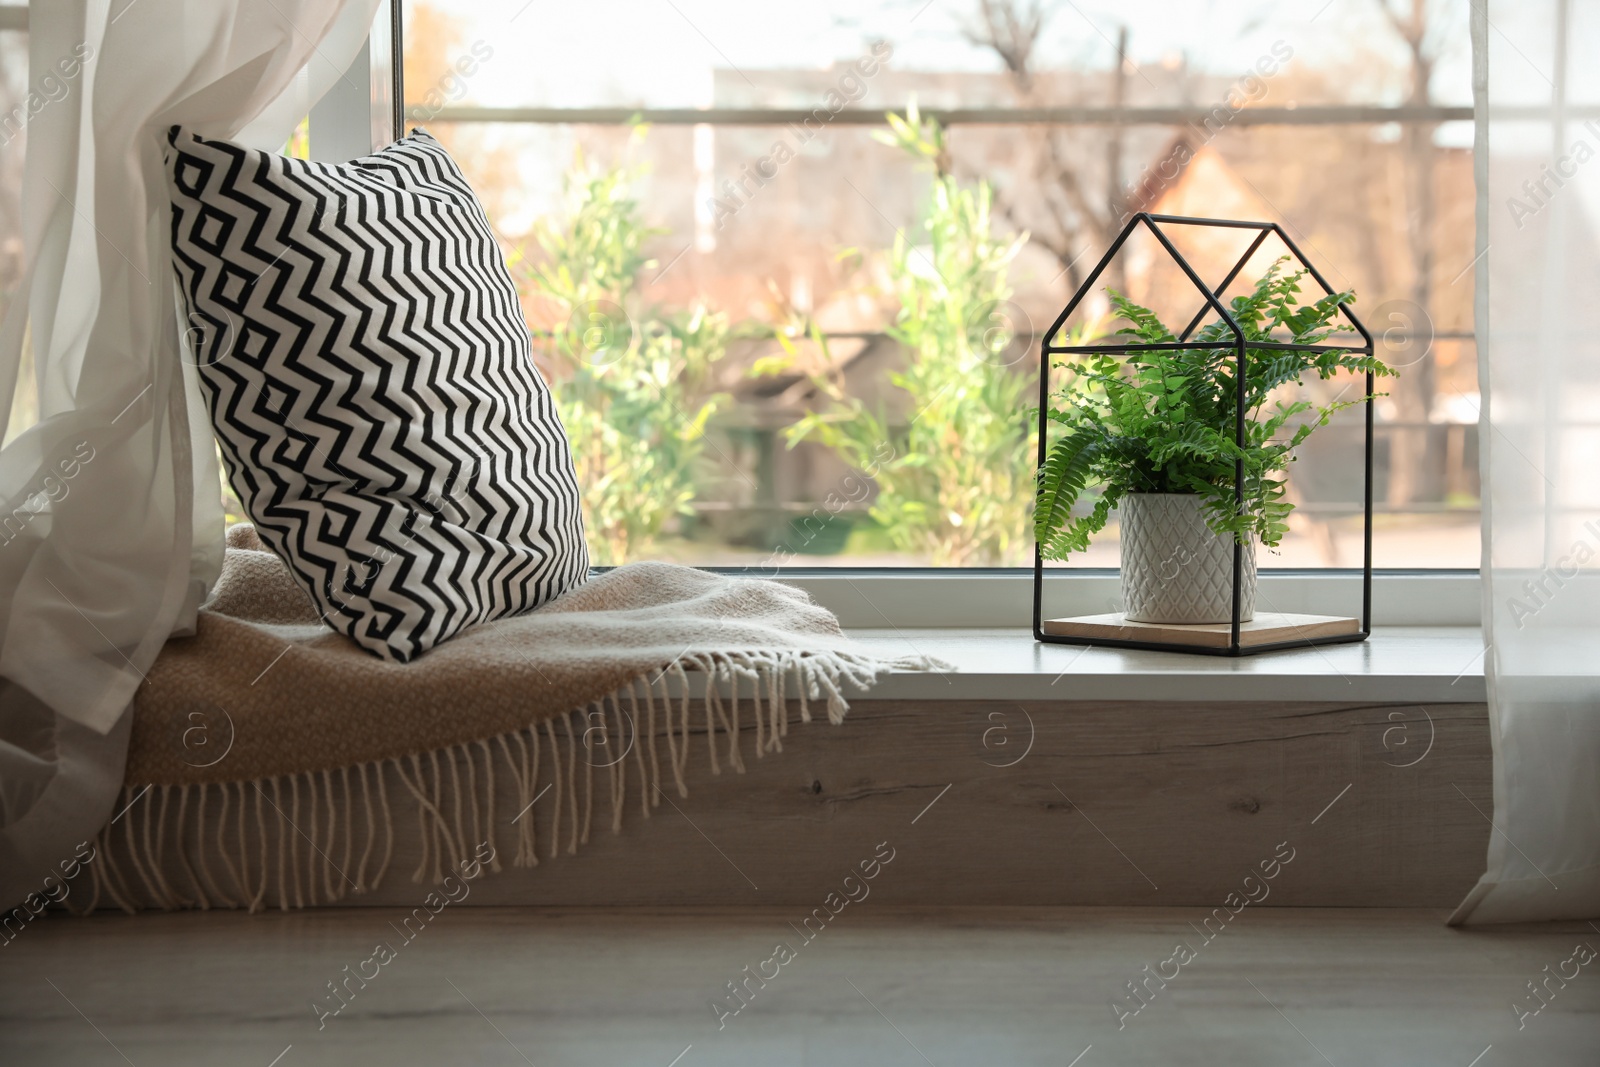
x,y
1267,631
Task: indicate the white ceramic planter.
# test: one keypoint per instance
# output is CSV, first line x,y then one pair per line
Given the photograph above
x,y
1175,568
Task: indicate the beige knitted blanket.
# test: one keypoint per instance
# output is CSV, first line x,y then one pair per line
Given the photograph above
x,y
339,753
264,689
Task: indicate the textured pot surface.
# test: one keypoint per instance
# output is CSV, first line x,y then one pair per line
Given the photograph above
x,y
1175,568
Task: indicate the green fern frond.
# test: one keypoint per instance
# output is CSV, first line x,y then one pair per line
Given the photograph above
x,y
1163,420
1061,478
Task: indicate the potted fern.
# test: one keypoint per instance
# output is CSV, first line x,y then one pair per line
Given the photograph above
x,y
1152,432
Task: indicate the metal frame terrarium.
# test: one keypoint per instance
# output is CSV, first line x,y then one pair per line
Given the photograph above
x,y
1157,524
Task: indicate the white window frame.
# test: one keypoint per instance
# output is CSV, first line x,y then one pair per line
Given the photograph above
x,y
923,597
983,599
359,114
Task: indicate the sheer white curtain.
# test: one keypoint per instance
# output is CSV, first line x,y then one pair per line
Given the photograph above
x,y
110,532
1538,324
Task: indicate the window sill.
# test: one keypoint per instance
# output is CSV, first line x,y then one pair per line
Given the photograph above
x,y
1397,664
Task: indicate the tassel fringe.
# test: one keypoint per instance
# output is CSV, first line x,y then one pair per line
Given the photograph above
x,y
293,854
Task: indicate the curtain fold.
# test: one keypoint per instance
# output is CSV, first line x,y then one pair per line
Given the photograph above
x,y
1538,274
111,531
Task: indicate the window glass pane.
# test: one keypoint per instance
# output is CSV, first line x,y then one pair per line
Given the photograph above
x,y
767,357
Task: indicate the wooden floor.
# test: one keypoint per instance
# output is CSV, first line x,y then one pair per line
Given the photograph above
x,y
878,986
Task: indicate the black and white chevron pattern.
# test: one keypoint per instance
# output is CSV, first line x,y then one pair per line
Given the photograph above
x,y
368,371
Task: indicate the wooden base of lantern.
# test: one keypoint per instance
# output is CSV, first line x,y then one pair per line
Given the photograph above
x,y
1267,628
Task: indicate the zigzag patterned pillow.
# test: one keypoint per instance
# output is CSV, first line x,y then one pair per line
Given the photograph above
x,y
367,367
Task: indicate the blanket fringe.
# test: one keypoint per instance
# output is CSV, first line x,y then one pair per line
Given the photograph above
x,y
347,851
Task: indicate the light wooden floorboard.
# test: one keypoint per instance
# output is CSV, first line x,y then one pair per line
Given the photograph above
x,y
879,986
